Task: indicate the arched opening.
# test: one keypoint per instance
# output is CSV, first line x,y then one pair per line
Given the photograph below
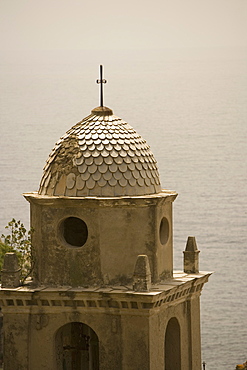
x,y
77,347
172,345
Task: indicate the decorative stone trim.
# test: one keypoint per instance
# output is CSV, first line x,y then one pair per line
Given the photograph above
x,y
96,202
116,299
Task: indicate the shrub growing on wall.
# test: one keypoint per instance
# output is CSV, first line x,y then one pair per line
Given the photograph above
x,y
18,240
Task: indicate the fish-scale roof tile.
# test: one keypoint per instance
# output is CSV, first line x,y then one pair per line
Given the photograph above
x,y
102,155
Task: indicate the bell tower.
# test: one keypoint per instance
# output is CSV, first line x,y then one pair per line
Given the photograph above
x,y
104,294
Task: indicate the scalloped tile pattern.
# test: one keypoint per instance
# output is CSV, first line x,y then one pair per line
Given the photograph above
x,y
100,156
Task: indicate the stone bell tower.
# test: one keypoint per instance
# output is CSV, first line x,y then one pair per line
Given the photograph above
x,y
104,294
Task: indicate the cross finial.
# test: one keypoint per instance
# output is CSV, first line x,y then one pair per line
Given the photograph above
x,y
101,81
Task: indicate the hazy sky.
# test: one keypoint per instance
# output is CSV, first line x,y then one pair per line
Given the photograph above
x,y
128,24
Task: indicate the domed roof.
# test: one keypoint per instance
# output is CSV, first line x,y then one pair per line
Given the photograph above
x,y
100,156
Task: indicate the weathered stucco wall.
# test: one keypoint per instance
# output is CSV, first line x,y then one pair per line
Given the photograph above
x,y
187,314
124,234
16,340
131,327
128,339
119,230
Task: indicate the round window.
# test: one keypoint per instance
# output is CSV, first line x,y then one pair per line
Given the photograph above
x,y
164,230
74,231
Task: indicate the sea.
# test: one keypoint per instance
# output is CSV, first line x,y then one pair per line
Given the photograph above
x,y
190,104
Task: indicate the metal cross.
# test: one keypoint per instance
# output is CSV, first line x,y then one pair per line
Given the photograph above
x,y
101,81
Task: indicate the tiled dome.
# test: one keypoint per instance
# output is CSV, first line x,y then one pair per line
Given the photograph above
x,y
100,156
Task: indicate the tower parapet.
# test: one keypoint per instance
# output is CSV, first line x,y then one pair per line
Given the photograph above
x,y
142,274
11,271
191,256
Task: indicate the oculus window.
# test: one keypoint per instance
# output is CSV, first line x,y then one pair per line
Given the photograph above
x,y
74,231
164,230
